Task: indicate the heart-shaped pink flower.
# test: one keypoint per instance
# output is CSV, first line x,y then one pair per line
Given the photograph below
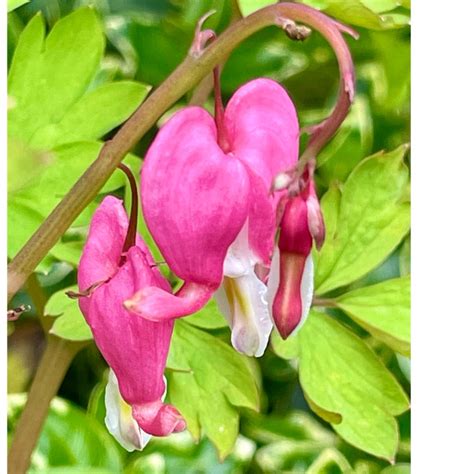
x,y
210,210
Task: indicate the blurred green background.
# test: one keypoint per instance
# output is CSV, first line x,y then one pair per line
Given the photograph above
x,y
146,40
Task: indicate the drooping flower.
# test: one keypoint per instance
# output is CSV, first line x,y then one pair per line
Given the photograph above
x,y
135,348
290,283
205,193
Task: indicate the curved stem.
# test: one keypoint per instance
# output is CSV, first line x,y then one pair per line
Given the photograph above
x,y
132,222
185,76
54,363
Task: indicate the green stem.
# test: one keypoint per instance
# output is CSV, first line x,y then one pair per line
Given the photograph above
x,y
324,302
185,76
54,363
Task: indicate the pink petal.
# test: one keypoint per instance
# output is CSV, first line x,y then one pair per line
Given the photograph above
x,y
155,304
103,249
158,419
263,128
194,197
288,284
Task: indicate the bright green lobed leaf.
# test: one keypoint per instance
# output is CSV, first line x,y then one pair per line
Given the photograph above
x,y
65,62
345,383
372,219
70,323
208,381
69,439
61,126
93,115
383,310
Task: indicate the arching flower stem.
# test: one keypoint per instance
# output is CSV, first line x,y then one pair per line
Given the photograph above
x,y
192,70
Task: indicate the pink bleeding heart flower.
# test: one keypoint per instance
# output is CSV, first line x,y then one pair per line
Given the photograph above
x,y
205,194
290,284
135,348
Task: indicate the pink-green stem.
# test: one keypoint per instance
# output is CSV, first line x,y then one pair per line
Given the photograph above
x,y
186,75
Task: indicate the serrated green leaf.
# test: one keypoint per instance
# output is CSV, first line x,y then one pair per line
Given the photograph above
x,y
373,218
93,115
69,439
208,381
70,323
383,310
341,376
12,4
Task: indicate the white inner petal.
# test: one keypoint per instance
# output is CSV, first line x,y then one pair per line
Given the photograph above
x,y
307,288
239,259
243,302
119,420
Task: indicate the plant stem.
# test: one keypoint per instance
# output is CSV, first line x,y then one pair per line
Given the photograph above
x,y
324,302
55,361
186,75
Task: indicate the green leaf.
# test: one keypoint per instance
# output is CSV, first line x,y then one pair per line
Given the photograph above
x,y
383,310
373,218
49,124
249,6
345,383
65,62
403,468
93,115
12,4
364,13
208,381
208,317
70,438
70,323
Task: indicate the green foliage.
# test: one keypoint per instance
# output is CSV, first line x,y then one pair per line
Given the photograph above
x,y
61,102
208,317
383,310
54,133
372,219
345,383
69,323
208,382
13,4
372,14
69,438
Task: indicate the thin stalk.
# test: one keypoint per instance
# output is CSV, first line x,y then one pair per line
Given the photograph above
x,y
132,222
54,363
192,70
324,302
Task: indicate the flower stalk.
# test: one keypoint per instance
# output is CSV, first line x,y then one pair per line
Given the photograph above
x,y
186,75
53,366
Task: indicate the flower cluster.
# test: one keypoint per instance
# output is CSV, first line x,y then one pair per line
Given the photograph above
x,y
209,201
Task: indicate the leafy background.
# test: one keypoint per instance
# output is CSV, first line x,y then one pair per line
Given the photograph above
x,y
333,398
